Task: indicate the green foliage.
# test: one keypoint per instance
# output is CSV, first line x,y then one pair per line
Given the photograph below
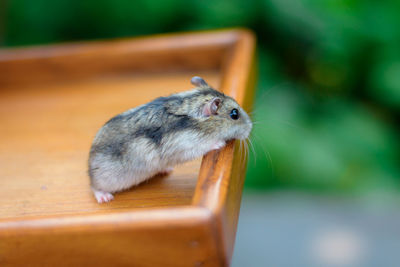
x,y
328,105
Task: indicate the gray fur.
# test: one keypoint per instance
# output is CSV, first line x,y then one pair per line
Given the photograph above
x,y
141,142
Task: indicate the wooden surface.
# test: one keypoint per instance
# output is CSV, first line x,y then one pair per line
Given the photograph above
x,y
52,102
170,237
163,53
46,132
220,190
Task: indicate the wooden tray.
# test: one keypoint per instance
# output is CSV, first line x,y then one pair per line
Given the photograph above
x,y
53,99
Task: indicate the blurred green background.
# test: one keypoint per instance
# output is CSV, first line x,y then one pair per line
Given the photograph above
x,y
328,98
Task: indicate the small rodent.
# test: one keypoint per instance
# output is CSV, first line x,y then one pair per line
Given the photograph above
x,y
152,138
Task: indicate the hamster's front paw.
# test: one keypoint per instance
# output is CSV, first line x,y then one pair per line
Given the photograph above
x,y
218,145
102,197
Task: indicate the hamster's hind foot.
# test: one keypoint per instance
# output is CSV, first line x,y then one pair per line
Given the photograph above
x,y
102,197
166,171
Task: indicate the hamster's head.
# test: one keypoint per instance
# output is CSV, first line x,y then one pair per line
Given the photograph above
x,y
221,114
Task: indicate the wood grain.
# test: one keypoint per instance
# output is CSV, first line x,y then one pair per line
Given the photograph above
x,y
53,100
156,237
170,53
46,133
221,177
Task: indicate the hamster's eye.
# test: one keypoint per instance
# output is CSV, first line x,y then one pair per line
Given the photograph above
x,y
234,114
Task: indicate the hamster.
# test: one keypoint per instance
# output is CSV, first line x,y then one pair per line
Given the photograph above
x,y
152,138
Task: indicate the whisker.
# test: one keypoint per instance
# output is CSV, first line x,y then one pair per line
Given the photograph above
x,y
243,156
252,148
240,150
287,123
266,154
246,154
246,147
252,112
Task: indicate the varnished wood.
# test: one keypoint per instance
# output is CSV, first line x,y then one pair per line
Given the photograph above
x,y
53,100
221,177
46,132
94,59
156,237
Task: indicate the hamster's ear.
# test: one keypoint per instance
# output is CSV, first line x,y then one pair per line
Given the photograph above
x,y
211,107
199,82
